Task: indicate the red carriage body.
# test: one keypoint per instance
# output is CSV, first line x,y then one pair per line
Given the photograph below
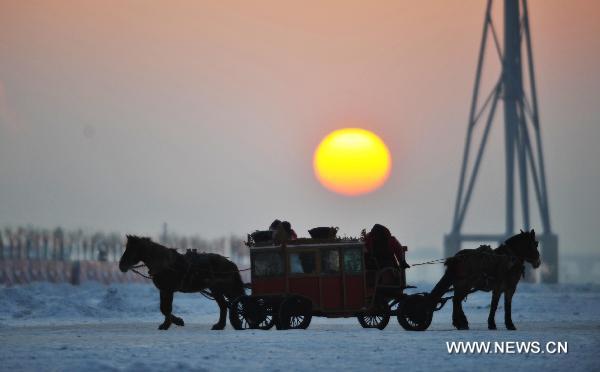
x,y
302,278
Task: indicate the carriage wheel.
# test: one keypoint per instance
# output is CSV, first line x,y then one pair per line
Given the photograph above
x,y
416,313
379,321
295,312
265,315
247,312
378,317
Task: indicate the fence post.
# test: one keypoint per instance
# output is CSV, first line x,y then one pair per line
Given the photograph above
x,y
76,273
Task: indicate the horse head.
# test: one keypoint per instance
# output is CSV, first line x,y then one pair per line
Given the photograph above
x,y
526,247
133,252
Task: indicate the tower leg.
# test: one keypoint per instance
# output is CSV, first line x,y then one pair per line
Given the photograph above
x,y
451,244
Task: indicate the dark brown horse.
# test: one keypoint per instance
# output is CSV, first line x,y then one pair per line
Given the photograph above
x,y
498,270
171,272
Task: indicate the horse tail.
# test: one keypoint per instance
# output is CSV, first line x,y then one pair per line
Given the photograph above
x,y
443,285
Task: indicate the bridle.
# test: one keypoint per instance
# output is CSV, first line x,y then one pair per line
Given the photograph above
x,y
522,258
134,267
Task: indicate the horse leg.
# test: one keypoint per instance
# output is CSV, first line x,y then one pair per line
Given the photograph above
x,y
177,320
459,319
166,306
223,311
493,307
456,311
508,294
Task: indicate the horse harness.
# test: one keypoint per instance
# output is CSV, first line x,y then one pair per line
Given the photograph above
x,y
194,263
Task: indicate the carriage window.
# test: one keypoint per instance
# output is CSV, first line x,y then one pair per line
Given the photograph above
x,y
330,261
267,264
303,263
353,260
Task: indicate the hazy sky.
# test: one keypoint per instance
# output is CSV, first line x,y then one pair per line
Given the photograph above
x,y
119,115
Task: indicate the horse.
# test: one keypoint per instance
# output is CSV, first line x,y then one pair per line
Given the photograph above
x,y
210,274
485,269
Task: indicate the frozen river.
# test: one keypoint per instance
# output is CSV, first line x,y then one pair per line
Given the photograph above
x,y
97,328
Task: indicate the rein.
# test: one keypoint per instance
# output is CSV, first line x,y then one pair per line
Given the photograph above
x,y
432,262
203,292
443,260
133,268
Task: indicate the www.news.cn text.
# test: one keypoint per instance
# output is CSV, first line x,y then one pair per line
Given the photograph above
x,y
507,347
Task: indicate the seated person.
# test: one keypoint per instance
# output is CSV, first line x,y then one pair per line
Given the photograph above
x,y
282,231
385,248
303,263
275,225
288,229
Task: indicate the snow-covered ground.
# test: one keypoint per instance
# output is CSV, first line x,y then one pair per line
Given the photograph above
x,y
94,327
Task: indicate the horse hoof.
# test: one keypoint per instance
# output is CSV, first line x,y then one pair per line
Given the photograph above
x,y
511,327
164,327
218,327
178,321
492,326
461,327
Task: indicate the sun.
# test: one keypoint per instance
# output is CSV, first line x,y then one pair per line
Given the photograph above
x,y
352,161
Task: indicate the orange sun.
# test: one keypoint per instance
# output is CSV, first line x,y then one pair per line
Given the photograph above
x,y
352,161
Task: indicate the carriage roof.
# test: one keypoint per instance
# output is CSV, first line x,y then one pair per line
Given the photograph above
x,y
310,243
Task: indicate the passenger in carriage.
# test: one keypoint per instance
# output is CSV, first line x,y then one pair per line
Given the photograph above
x,y
387,251
282,231
288,229
275,225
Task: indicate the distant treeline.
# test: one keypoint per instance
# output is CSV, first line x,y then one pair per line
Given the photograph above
x,y
76,245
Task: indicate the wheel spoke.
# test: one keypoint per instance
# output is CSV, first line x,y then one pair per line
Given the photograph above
x,y
378,321
294,313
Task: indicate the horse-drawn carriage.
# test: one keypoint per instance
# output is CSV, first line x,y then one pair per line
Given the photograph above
x,y
292,280
296,279
299,279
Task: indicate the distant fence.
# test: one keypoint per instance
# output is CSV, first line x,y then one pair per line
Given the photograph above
x,y
29,255
24,271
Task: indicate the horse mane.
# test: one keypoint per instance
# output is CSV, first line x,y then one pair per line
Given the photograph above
x,y
511,245
157,255
504,249
145,242
139,240
514,239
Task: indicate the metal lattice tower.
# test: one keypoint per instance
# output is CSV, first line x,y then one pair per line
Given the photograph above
x,y
523,141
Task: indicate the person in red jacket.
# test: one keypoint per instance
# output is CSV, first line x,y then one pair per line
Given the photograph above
x,y
385,248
